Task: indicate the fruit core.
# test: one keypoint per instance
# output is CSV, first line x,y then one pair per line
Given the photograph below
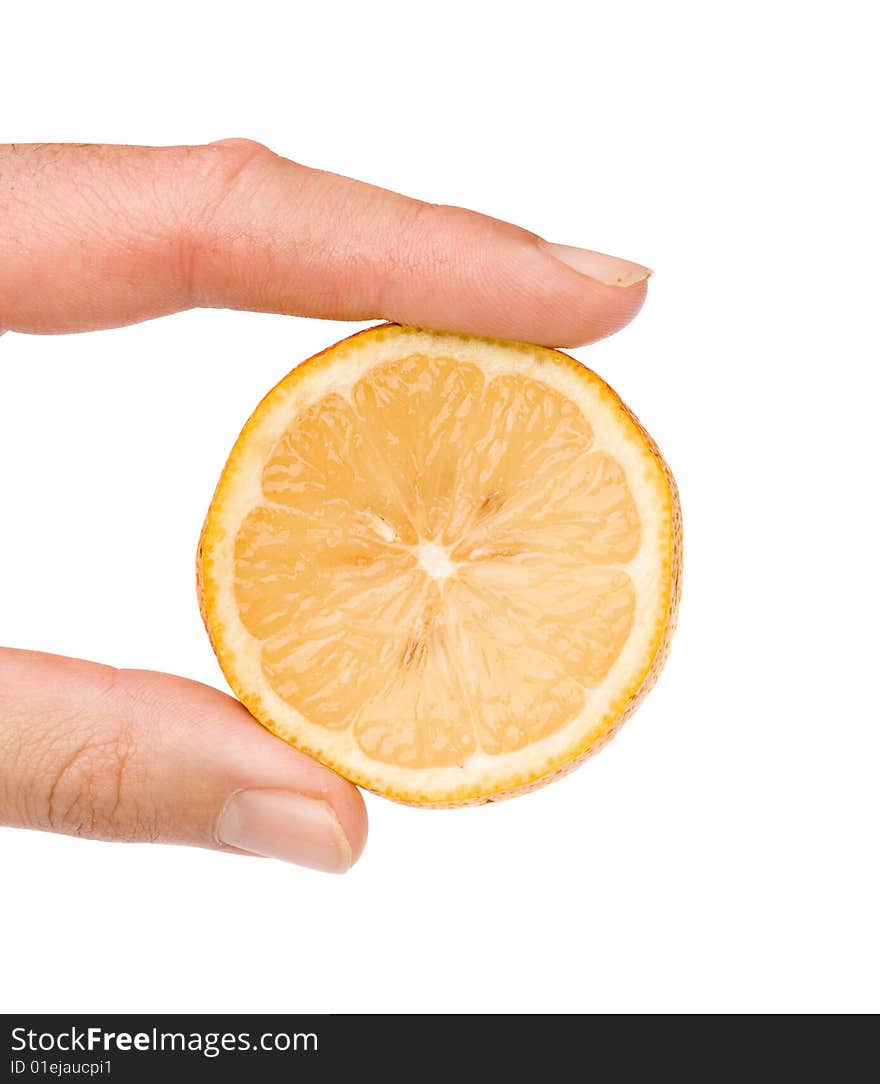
x,y
435,560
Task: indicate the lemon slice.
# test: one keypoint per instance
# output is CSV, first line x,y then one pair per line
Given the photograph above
x,y
446,567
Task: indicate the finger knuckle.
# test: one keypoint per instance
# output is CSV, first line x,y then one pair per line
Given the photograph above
x,y
72,763
218,177
88,787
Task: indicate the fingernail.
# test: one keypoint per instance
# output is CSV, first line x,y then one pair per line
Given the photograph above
x,y
291,827
596,265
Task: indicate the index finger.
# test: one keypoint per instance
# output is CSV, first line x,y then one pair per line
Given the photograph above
x,y
99,236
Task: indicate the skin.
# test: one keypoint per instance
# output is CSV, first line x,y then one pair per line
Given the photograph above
x,y
99,236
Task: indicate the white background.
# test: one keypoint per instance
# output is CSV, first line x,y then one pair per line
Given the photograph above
x,y
721,854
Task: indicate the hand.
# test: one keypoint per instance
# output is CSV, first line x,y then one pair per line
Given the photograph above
x,y
94,237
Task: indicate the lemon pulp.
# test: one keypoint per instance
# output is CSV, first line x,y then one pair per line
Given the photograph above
x,y
437,562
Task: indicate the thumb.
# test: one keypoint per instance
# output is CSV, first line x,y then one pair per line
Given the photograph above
x,y
131,755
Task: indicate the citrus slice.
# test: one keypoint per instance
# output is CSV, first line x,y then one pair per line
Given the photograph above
x,y
446,567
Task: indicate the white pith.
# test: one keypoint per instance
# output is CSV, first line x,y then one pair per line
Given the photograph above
x,y
435,560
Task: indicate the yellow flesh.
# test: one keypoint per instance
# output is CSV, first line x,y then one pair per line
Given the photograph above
x,y
437,562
